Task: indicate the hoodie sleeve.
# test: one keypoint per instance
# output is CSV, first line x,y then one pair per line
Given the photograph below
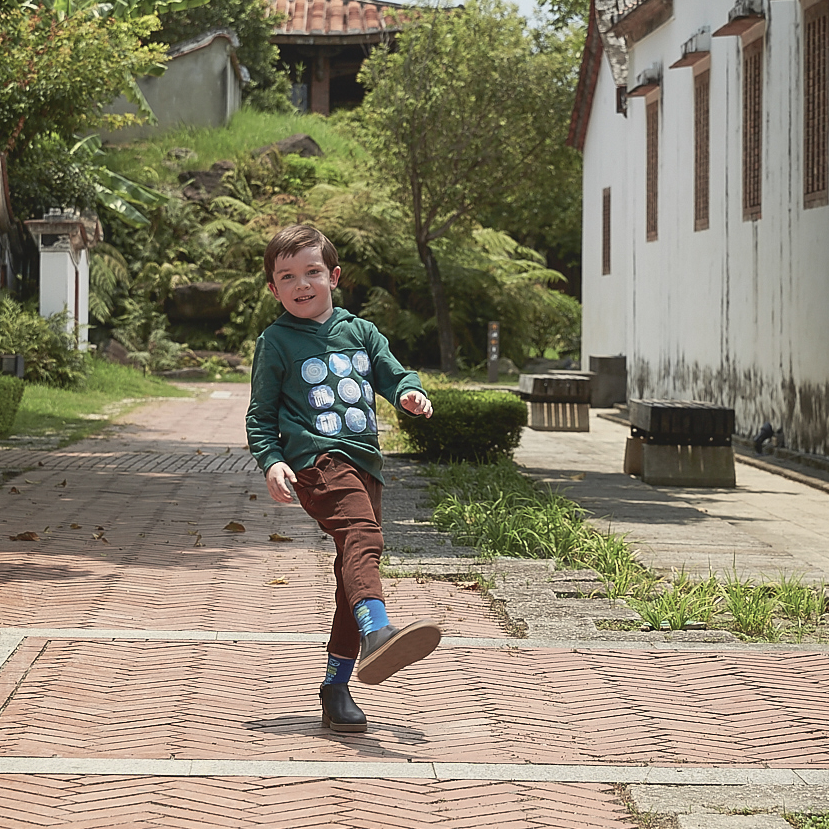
x,y
391,379
262,420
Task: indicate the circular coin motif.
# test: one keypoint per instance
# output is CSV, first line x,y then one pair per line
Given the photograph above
x,y
321,397
313,370
372,422
348,390
340,365
361,363
329,423
368,392
355,419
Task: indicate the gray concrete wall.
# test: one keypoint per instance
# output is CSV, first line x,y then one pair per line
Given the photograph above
x,y
199,88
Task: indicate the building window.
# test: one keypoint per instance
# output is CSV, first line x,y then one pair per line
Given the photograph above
x,y
752,129
652,169
816,105
702,169
605,231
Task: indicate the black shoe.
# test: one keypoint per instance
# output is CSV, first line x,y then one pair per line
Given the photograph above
x,y
339,711
386,651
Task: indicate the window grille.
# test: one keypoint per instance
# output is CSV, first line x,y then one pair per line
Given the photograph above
x,y
752,129
702,171
816,105
652,169
605,231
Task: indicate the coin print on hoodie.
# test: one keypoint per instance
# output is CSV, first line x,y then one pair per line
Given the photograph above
x,y
357,415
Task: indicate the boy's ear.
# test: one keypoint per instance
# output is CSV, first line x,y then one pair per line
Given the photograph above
x,y
335,276
272,289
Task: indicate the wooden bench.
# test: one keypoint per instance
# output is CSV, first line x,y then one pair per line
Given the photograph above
x,y
681,443
559,401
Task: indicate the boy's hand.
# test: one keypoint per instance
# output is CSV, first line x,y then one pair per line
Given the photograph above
x,y
416,403
277,478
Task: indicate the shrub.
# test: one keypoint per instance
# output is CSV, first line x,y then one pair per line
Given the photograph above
x,y
48,349
11,392
467,425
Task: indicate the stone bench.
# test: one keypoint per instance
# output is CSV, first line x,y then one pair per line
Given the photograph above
x,y
681,443
559,401
12,364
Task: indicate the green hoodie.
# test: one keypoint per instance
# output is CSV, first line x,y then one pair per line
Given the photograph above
x,y
313,387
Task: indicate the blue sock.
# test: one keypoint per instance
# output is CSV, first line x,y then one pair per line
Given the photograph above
x,y
338,671
370,615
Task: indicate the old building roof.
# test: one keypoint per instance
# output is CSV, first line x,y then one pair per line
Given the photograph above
x,y
333,21
601,40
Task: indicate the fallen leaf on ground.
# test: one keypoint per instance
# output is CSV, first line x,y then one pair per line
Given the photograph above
x,y
194,532
199,452
14,491
579,476
100,537
31,482
468,585
29,536
235,527
252,497
62,483
75,527
278,537
198,541
280,580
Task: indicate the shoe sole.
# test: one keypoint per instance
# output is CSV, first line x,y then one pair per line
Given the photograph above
x,y
409,645
352,728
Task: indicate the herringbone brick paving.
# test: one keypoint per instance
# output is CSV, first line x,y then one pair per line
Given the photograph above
x,y
150,552
254,700
240,802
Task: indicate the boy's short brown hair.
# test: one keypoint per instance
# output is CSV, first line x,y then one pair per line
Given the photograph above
x,y
292,239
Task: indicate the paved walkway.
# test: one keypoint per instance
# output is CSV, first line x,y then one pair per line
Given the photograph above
x,y
159,669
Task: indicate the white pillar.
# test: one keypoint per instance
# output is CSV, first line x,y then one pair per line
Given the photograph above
x,y
64,242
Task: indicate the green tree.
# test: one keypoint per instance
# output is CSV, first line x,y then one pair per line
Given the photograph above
x,y
59,70
456,115
547,215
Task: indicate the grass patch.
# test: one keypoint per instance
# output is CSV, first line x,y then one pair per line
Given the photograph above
x,y
64,416
148,161
497,510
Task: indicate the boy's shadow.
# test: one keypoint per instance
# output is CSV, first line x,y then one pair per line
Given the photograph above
x,y
374,741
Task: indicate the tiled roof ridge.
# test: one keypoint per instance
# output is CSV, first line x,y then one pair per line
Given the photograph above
x,y
334,17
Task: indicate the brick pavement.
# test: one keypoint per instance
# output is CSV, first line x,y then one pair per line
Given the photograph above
x,y
176,663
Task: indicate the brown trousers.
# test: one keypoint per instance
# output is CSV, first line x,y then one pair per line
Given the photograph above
x,y
346,502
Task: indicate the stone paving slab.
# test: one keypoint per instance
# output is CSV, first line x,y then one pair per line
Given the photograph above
x,y
766,526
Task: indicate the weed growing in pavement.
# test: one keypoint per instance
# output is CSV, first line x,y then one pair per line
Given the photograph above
x,y
801,604
801,820
752,607
498,510
679,604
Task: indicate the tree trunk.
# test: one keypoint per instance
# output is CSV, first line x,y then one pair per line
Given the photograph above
x,y
446,338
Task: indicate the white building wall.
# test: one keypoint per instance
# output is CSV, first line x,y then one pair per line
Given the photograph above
x,y
736,314
604,297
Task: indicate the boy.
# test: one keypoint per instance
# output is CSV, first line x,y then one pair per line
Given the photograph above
x,y
311,424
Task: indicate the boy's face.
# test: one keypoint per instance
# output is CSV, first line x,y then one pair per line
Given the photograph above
x,y
303,284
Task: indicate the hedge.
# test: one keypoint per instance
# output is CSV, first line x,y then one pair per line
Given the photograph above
x,y
11,393
467,425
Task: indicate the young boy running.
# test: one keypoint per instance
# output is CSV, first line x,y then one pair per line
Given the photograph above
x,y
311,424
